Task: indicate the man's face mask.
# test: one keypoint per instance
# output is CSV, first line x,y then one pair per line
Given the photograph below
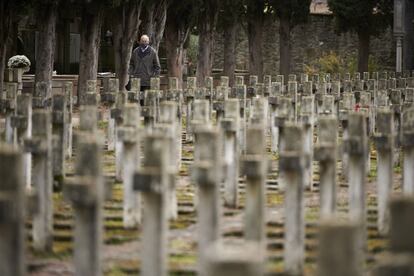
x,y
143,43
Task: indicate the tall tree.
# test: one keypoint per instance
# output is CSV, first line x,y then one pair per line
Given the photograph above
x,y
90,37
46,13
290,14
9,11
230,15
125,26
366,18
153,20
255,23
180,20
207,19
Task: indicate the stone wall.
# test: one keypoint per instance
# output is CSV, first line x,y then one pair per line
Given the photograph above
x,y
309,42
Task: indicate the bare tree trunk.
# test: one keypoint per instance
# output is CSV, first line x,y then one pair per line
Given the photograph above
x,y
125,30
284,48
154,22
230,31
6,22
3,50
363,51
46,44
175,38
205,47
90,36
206,26
255,36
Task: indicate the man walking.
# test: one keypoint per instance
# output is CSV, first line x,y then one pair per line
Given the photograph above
x,y
145,63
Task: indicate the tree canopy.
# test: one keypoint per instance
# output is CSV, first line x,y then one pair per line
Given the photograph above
x,y
369,16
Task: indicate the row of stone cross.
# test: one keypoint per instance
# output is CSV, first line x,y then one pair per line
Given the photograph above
x,y
38,142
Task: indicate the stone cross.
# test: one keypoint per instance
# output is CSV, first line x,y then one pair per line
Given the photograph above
x,y
400,260
88,119
359,85
382,84
319,96
409,98
315,79
208,92
241,96
168,116
304,78
91,97
381,98
306,117
173,83
117,119
394,264
281,79
155,84
110,97
293,94
392,83
401,225
201,115
59,128
15,75
239,81
336,93
12,213
167,128
365,76
254,167
40,147
151,181
149,110
189,98
41,95
230,130
356,145
372,86
68,91
9,109
366,106
291,165
410,82
327,105
206,176
384,142
395,97
357,76
86,193
267,82
347,86
325,152
129,138
402,83
283,117
22,123
407,140
345,259
275,93
218,103
259,112
134,93
345,107
238,259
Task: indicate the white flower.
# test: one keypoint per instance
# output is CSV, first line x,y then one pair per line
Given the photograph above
x,y
19,61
